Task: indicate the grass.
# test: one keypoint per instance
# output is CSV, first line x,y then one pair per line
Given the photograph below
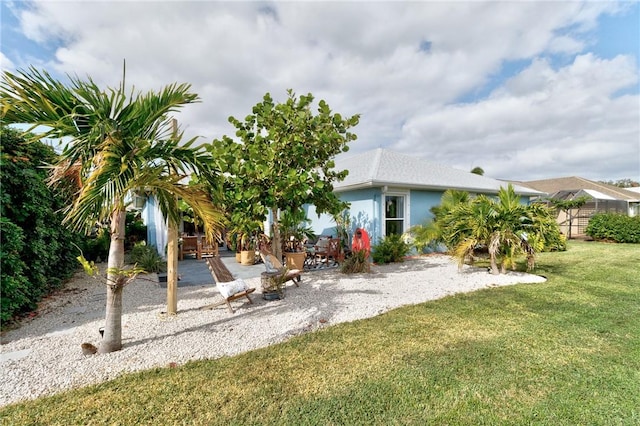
x,y
565,352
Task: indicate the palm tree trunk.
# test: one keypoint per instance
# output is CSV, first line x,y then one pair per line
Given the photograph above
x,y
112,339
494,264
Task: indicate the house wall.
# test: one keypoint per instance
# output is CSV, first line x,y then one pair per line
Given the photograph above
x,y
421,202
366,210
364,213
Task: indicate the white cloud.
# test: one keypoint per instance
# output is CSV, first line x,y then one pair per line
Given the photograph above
x,y
541,121
365,57
5,63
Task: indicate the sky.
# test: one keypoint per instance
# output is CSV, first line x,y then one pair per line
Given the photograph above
x,y
524,90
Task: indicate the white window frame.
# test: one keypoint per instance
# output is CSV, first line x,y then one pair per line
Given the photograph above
x,y
405,217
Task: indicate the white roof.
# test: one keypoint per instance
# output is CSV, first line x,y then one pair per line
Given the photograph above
x,y
381,167
596,194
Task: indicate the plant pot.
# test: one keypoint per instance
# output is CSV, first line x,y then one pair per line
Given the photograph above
x,y
272,295
238,256
295,260
247,257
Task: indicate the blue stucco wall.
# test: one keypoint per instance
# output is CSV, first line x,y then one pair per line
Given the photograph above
x,y
421,202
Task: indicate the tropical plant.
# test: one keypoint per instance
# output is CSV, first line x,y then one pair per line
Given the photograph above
x,y
356,262
284,160
392,248
295,230
505,227
115,143
343,226
147,258
430,233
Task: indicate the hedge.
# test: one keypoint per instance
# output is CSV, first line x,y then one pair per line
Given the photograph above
x,y
36,251
614,227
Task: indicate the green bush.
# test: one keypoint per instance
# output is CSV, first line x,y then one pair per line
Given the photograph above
x,y
391,248
357,262
15,286
614,227
147,258
135,230
96,246
46,256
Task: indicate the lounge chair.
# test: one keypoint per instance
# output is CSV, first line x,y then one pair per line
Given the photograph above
x,y
272,264
230,288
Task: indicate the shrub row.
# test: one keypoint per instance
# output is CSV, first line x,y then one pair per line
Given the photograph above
x,y
614,227
37,253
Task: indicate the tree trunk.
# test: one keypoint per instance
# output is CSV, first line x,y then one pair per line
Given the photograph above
x,y
112,339
494,264
276,245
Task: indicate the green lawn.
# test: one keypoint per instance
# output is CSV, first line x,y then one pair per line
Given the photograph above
x,y
566,352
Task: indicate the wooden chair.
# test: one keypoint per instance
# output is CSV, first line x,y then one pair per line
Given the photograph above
x,y
272,264
222,276
327,252
190,245
208,249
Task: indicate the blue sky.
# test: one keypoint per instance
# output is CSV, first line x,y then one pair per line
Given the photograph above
x,y
525,90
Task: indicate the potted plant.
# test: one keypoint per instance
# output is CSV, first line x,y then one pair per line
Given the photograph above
x,y
247,249
273,285
296,232
246,236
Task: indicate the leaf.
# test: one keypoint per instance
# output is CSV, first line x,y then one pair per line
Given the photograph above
x,y
89,267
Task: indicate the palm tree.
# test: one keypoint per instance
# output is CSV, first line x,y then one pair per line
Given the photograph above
x,y
506,227
432,231
116,143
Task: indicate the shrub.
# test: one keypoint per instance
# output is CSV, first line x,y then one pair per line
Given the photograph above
x,y
614,227
391,248
15,286
96,246
135,230
357,262
47,255
147,258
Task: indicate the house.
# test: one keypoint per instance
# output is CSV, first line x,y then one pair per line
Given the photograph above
x,y
602,198
389,192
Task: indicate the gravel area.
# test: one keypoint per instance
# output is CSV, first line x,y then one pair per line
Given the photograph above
x,y
43,356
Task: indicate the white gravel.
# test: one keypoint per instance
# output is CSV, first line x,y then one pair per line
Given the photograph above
x,y
43,356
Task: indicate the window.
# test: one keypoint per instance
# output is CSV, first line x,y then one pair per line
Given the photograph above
x,y
394,214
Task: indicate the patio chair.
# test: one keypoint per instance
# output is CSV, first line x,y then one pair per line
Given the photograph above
x,y
208,248
328,252
190,245
230,288
272,264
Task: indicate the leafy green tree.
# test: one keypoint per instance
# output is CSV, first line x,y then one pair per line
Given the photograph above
x,y
283,160
116,143
623,183
478,171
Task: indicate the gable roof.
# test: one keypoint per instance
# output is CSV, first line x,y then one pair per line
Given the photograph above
x,y
574,183
380,167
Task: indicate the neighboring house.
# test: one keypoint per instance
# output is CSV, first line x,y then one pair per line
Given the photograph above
x,y
389,192
602,198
